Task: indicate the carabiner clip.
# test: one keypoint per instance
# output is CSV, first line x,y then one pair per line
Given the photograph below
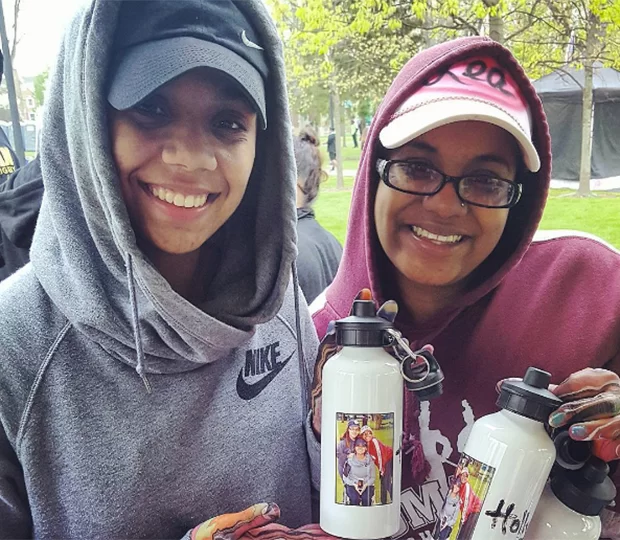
x,y
404,353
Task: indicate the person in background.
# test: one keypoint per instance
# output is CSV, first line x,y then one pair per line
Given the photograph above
x,y
20,201
444,219
354,132
331,148
363,132
319,251
9,162
159,318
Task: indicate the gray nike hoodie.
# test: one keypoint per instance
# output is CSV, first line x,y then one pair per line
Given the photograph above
x,y
126,411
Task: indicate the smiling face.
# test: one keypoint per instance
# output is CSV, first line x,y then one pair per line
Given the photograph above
x,y
354,431
184,157
360,450
434,241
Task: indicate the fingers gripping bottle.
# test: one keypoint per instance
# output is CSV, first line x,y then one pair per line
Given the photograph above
x,y
361,430
504,466
572,502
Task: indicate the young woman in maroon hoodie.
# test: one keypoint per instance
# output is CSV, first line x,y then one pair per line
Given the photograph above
x,y
447,201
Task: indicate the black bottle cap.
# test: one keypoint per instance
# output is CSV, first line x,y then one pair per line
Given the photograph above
x,y
570,454
363,328
587,490
431,387
529,397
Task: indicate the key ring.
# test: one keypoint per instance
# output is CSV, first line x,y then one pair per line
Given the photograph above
x,y
398,343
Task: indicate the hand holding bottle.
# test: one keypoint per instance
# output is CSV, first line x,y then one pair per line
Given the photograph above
x,y
592,409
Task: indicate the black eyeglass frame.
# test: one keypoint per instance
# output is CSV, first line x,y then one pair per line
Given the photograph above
x,y
383,168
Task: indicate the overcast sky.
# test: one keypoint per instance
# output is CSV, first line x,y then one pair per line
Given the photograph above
x,y
40,26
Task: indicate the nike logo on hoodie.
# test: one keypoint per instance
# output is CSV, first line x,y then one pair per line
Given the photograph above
x,y
258,362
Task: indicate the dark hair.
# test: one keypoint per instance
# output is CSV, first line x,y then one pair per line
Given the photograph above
x,y
309,161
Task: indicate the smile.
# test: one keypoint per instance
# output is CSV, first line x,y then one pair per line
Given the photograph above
x,y
181,200
436,238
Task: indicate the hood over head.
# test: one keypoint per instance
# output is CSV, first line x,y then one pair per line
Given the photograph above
x,y
405,114
84,251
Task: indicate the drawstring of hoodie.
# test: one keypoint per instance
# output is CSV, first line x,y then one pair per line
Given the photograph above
x,y
136,324
412,446
303,367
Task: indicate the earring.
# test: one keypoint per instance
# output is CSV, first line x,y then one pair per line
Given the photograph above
x,y
462,204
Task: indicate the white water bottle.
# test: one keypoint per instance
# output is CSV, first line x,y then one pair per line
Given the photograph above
x,y
361,430
504,466
571,503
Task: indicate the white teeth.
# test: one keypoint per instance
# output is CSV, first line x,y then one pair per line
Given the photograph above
x,y
178,199
437,238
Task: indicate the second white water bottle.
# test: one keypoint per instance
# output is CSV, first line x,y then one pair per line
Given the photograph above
x,y
504,466
361,430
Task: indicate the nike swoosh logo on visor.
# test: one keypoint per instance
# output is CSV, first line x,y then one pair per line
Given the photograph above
x,y
246,41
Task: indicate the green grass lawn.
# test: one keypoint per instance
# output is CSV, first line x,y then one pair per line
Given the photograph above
x,y
332,207
350,155
598,215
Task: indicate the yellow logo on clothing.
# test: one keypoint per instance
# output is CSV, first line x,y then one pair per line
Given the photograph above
x,y
7,165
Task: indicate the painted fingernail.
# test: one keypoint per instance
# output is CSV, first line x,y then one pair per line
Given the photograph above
x,y
618,451
578,432
557,419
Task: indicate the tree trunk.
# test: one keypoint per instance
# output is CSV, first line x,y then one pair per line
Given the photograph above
x,y
496,23
335,99
295,121
18,141
426,26
586,132
496,28
587,114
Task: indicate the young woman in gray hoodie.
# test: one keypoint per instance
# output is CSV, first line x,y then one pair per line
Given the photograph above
x,y
158,323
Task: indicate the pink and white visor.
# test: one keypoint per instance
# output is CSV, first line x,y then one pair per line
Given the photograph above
x,y
473,89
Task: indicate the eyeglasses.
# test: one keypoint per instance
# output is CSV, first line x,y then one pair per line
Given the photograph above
x,y
418,178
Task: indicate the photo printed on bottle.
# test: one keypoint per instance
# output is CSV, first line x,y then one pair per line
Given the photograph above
x,y
364,458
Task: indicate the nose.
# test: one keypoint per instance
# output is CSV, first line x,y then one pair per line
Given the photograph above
x,y
189,149
446,203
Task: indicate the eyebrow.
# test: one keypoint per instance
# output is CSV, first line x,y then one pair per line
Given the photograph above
x,y
232,92
485,158
424,147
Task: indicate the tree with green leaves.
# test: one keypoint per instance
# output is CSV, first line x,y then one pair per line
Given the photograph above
x,y
350,48
39,87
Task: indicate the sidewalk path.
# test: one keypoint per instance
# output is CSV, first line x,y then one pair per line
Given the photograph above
x,y
345,172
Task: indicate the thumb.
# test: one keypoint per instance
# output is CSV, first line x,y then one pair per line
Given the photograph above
x,y
605,449
388,311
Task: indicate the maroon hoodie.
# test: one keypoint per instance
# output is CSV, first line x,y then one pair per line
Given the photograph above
x,y
550,302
